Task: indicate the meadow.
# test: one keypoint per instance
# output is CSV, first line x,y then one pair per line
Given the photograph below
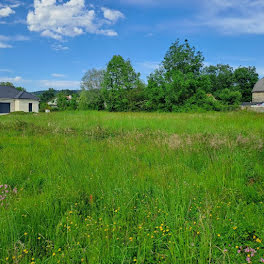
x,y
112,188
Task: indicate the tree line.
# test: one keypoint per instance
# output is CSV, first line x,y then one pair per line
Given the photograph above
x,y
181,83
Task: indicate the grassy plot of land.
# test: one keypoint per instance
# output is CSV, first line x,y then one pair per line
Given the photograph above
x,y
95,187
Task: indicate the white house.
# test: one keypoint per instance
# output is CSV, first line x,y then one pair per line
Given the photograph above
x,y
12,100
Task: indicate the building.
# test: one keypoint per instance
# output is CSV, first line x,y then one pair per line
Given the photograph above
x,y
13,100
258,92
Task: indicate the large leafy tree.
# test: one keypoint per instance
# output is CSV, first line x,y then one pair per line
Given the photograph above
x,y
119,80
245,78
184,58
91,95
178,78
221,76
92,79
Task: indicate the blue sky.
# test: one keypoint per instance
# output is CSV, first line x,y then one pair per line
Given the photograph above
x,y
49,43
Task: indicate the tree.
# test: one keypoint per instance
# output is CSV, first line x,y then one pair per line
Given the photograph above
x,y
91,100
91,95
47,95
229,97
62,101
119,79
155,91
22,89
183,58
221,76
245,78
92,79
178,78
7,84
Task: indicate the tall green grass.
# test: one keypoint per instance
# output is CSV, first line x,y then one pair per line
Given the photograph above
x,y
95,187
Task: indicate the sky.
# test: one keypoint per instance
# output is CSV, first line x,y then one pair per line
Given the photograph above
x,y
52,43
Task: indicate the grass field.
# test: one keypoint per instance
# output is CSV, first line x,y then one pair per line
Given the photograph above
x,y
96,187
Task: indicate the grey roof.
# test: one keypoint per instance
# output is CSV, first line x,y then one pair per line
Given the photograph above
x,y
9,92
259,86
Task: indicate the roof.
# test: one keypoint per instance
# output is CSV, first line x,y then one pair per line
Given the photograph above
x,y
259,86
9,92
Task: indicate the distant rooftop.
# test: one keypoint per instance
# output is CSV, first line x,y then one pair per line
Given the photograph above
x,y
259,86
9,92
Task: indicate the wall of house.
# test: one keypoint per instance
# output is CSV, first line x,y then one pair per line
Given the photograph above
x,y
258,97
23,105
11,101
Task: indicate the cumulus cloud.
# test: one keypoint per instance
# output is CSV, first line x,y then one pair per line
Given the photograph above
x,y
6,11
112,15
68,19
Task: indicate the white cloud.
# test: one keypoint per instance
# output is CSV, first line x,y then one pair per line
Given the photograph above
x,y
6,11
10,79
60,84
5,70
149,65
112,15
234,16
58,75
68,19
5,46
5,40
42,84
59,47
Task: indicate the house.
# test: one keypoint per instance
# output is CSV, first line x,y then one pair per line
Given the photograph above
x,y
258,92
53,103
12,100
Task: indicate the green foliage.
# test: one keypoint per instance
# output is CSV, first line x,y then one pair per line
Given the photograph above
x,y
7,84
19,88
22,89
245,79
221,77
65,103
175,86
182,57
119,81
91,99
91,96
92,79
230,97
48,95
182,84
